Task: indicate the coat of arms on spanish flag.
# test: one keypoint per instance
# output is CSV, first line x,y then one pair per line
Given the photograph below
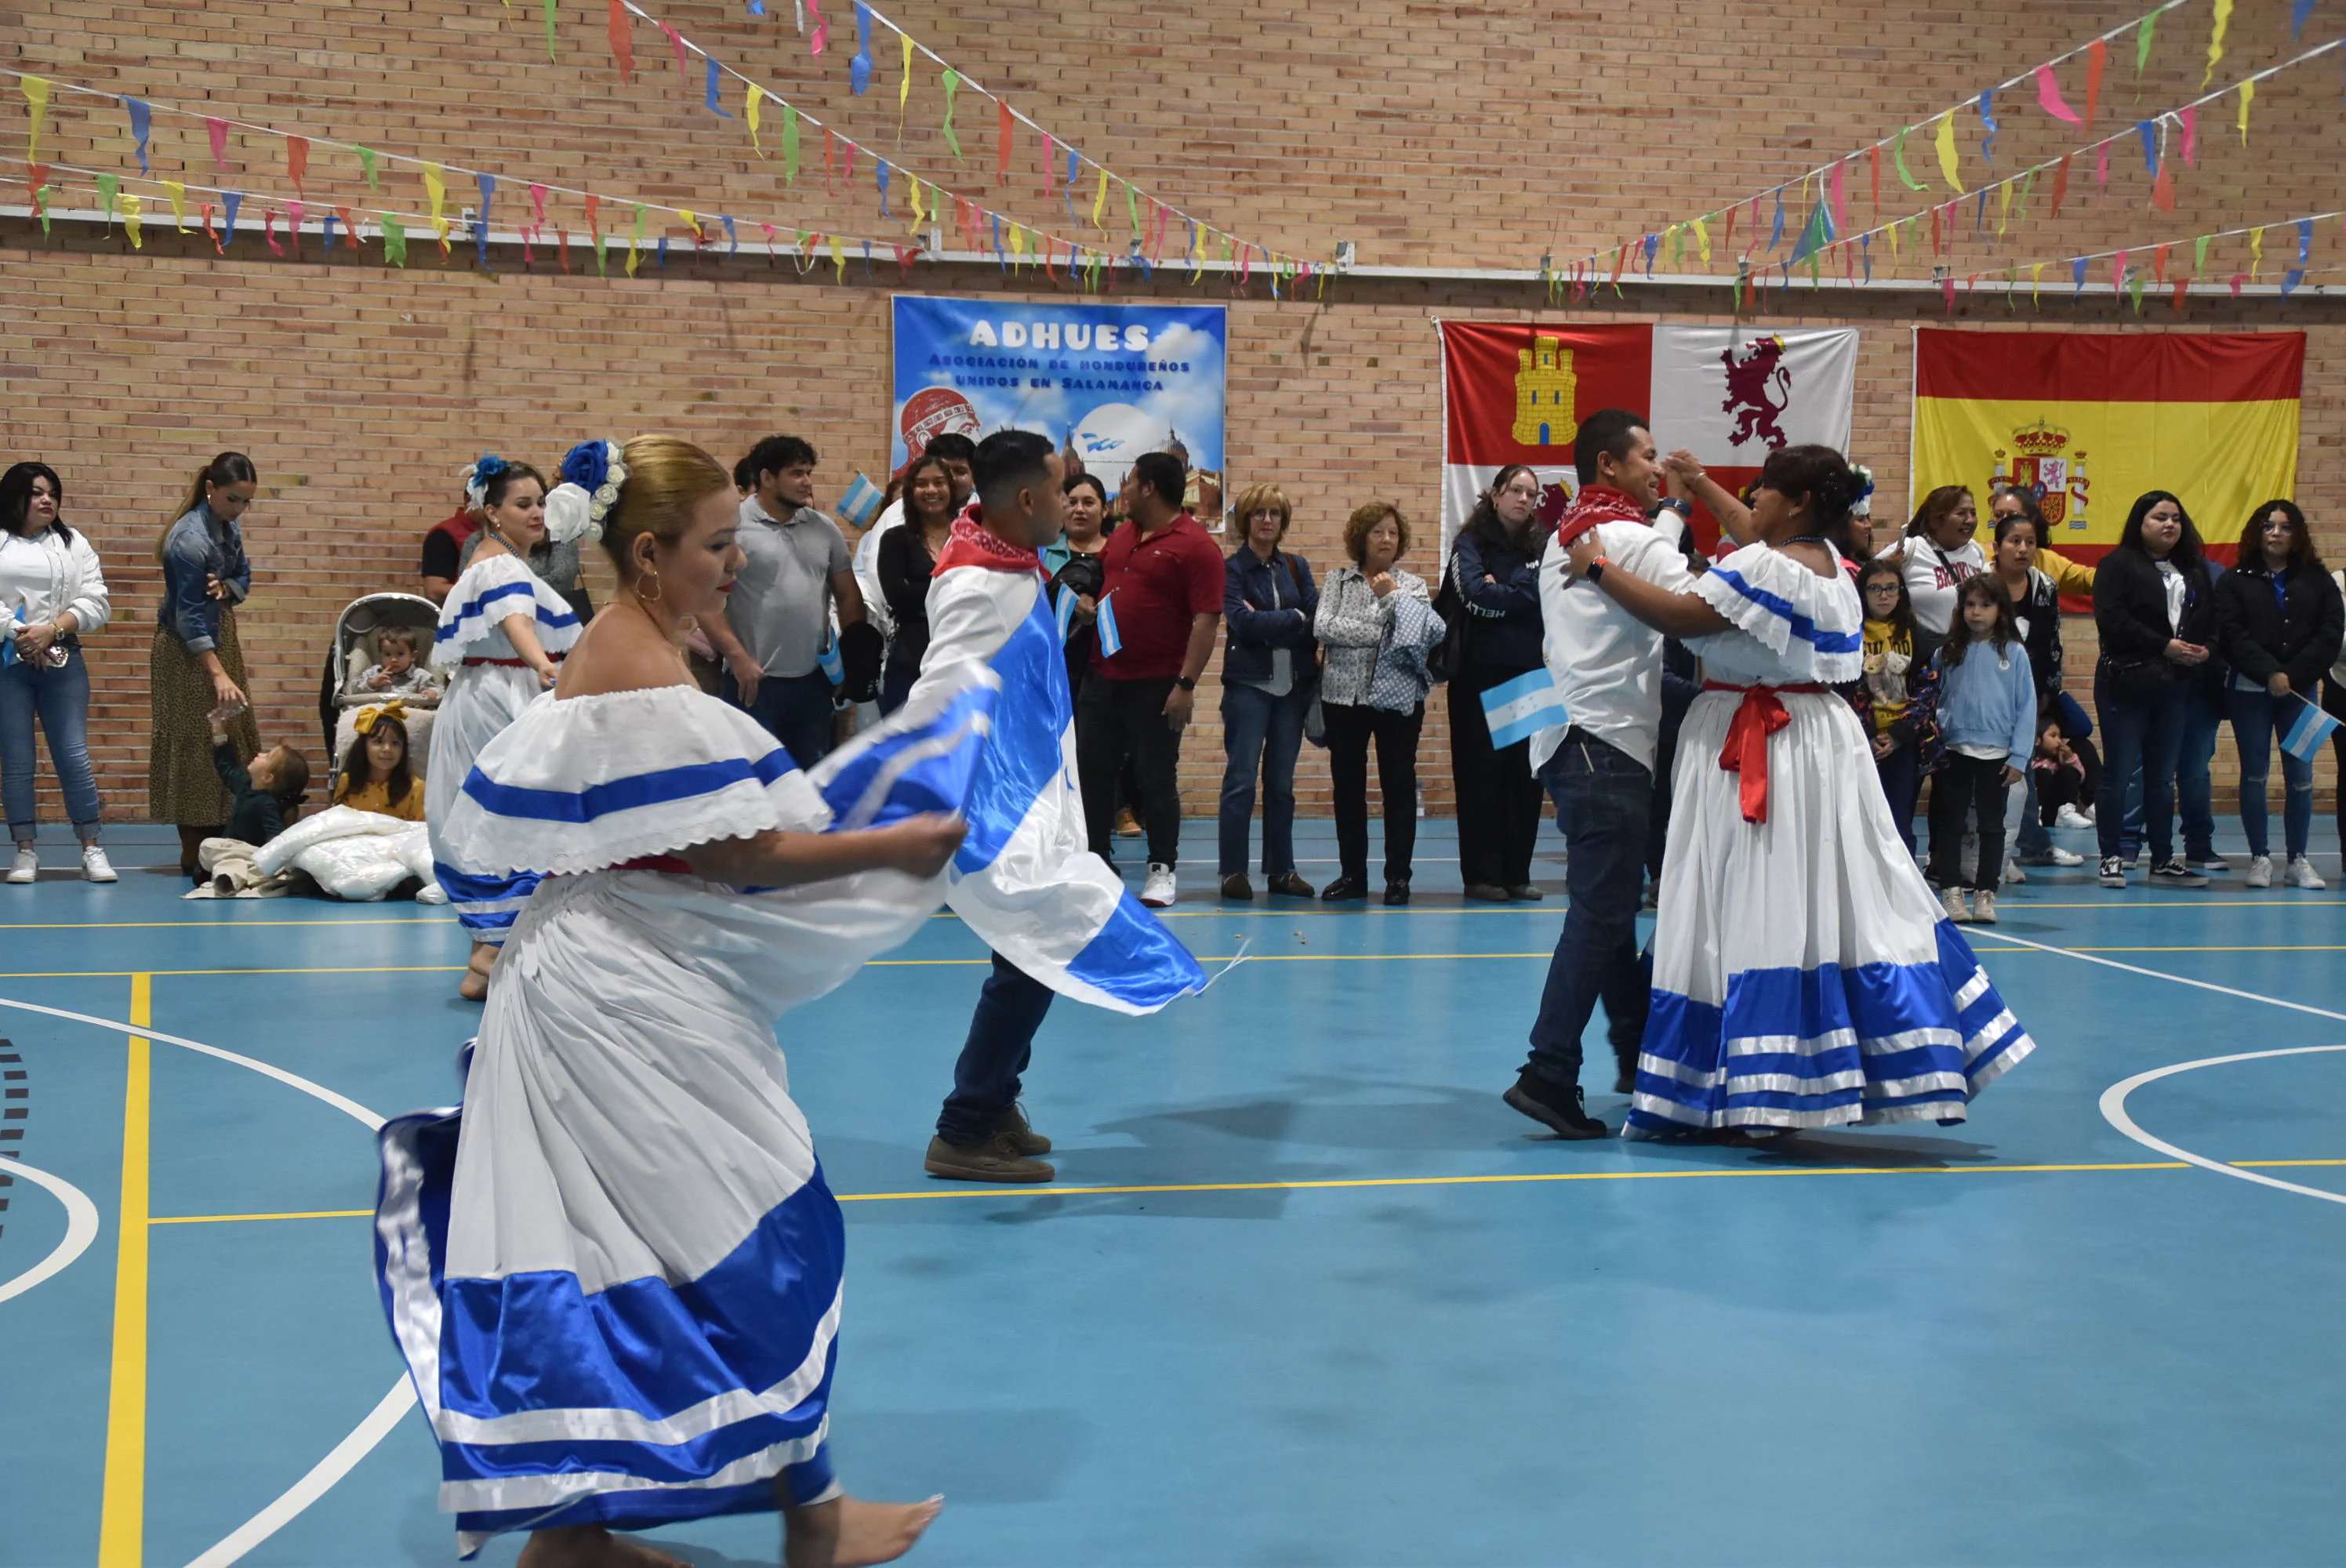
x,y
1515,392
2089,421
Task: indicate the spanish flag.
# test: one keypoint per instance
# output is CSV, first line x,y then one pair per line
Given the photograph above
x,y
2089,421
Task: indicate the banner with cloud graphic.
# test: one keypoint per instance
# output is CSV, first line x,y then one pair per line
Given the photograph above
x,y
1106,382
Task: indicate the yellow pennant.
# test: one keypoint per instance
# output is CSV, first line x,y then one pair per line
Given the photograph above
x,y
918,215
437,189
904,86
1947,164
1893,241
1017,246
179,195
1702,239
689,220
839,257
37,96
2036,284
2256,253
749,105
2248,96
131,215
2002,207
1099,200
2215,41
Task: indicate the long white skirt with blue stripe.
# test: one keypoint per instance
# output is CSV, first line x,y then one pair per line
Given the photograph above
x,y
482,700
1803,973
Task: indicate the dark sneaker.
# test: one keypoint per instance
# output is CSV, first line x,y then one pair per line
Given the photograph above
x,y
1525,894
1237,888
1624,1080
1560,1110
1397,890
1288,885
1011,1124
996,1159
1343,891
2113,870
2176,874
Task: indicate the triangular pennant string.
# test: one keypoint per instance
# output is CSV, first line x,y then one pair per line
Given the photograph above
x,y
141,119
2248,96
2049,98
217,130
859,69
2097,56
1897,157
715,80
2220,24
951,85
789,144
619,28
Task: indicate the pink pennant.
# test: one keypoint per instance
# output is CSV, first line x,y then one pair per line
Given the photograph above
x,y
1841,194
847,169
2102,167
528,255
269,231
683,72
2237,278
218,131
2049,98
821,27
2117,272
537,205
1947,291
1050,160
294,213
2192,137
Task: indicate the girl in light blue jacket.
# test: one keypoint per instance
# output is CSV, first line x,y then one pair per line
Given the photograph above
x,y
1987,721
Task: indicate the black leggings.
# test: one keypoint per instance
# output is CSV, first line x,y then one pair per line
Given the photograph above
x,y
1962,785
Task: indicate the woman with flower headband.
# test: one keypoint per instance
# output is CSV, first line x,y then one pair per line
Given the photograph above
x,y
614,1272
502,628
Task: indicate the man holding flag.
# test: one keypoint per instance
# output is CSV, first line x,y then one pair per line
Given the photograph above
x,y
1056,917
1595,756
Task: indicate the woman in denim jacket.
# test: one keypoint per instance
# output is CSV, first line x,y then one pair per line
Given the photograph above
x,y
1268,680
199,664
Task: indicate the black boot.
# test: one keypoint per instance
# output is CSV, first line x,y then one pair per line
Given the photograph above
x,y
1559,1109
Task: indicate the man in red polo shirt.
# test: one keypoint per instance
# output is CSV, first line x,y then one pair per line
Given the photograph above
x,y
1162,594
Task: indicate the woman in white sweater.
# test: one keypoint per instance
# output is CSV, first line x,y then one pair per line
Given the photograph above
x,y
1938,551
51,595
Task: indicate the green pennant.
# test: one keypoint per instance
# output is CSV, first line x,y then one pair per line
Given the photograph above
x,y
2199,258
2027,187
43,197
953,85
2134,288
549,29
789,145
106,186
1132,206
366,162
2142,38
395,242
602,255
1898,154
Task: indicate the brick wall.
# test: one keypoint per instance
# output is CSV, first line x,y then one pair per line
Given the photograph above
x,y
1434,137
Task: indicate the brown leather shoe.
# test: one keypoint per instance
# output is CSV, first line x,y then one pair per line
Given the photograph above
x,y
1237,888
1012,1125
1288,885
995,1160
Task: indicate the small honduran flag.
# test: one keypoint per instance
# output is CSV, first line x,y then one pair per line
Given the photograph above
x,y
1110,641
861,504
1520,708
1064,612
2307,732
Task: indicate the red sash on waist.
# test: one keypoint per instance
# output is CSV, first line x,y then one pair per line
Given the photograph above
x,y
671,863
1757,716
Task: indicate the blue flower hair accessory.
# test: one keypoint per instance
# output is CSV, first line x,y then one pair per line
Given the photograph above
x,y
591,475
478,476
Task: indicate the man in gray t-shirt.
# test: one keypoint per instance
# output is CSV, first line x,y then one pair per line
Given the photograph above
x,y
777,622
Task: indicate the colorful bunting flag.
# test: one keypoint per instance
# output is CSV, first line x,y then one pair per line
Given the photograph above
x,y
395,242
1839,186
36,98
549,29
2298,12
2147,133
296,161
2248,96
821,28
903,79
366,164
2143,34
881,176
141,116
132,215
2048,96
2190,117
1987,122
621,32
1947,140
217,130
481,225
953,85
436,188
178,192
1897,155
1001,134
714,72
108,186
2222,21
789,144
2097,55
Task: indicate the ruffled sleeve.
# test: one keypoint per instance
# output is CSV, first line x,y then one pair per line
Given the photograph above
x,y
493,590
588,782
1811,622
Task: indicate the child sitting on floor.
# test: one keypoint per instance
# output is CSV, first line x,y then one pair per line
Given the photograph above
x,y
2060,774
264,789
398,674
375,776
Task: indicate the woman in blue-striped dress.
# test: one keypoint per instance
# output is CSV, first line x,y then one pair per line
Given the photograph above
x,y
1804,976
502,629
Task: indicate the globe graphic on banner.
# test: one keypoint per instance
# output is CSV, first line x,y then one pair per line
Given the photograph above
x,y
1110,436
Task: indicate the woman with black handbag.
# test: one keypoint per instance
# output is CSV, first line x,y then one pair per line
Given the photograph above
x,y
2156,610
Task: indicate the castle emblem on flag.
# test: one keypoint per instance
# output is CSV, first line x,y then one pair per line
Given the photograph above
x,y
1753,373
1544,384
2040,464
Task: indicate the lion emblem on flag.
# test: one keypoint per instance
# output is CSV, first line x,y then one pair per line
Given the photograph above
x,y
1759,388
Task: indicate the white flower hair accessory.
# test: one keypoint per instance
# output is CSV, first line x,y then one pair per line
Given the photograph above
x,y
592,477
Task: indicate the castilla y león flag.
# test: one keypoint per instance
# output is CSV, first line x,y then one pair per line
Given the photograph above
x,y
2089,421
1515,392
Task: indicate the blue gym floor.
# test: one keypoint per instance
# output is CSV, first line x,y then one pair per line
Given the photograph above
x,y
1307,1292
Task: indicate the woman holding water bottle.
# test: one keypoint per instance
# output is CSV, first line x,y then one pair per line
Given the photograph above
x,y
199,664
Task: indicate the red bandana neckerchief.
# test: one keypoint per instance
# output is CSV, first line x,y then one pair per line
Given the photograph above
x,y
1596,503
972,543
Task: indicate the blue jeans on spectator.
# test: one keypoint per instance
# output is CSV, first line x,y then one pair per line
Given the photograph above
x,y
2255,716
2143,742
60,698
795,710
2195,789
1902,785
1001,1042
1260,732
1607,798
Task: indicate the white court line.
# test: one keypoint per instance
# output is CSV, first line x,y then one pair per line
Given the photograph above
x,y
81,1227
2114,1110
387,1412
2158,974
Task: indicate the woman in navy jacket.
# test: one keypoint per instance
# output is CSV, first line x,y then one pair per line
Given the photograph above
x,y
1268,681
1495,571
2155,608
2278,622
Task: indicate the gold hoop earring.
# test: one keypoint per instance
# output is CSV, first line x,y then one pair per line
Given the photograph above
x,y
654,597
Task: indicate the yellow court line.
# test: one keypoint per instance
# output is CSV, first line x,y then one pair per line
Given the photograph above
x,y
368,968
1047,1190
221,926
121,1539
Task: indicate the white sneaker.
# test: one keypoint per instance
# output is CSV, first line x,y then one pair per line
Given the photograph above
x,y
1983,908
1157,892
2061,857
2070,816
95,866
26,866
2259,872
1952,901
2302,874
2012,872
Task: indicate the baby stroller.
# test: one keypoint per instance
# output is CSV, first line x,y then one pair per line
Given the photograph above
x,y
353,652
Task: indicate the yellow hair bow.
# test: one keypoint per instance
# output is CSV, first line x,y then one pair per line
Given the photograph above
x,y
368,716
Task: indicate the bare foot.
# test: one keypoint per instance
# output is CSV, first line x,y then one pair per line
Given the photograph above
x,y
591,1546
850,1533
474,986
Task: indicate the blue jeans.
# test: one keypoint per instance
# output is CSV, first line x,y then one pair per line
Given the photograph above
x,y
1001,1042
2195,789
2255,716
795,710
1901,783
60,698
2143,742
1260,732
1607,800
